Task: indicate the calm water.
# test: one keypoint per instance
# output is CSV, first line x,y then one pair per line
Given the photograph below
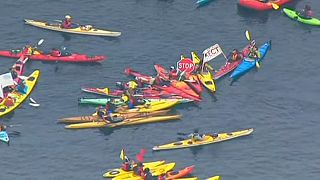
x,y
280,100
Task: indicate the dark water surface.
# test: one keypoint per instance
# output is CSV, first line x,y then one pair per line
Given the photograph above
x,y
280,100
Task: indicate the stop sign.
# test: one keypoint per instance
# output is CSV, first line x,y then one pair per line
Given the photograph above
x,y
186,65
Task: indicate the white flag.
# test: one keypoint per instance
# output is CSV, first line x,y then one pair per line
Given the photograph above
x,y
6,80
211,52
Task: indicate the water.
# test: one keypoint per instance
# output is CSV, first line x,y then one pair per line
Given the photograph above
x,y
280,100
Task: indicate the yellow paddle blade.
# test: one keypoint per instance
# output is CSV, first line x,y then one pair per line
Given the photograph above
x,y
195,58
257,64
106,90
275,6
182,57
122,155
248,35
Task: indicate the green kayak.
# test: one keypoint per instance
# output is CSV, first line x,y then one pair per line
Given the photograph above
x,y
294,15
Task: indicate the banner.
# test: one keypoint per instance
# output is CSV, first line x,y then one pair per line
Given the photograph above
x,y
6,80
1,92
211,52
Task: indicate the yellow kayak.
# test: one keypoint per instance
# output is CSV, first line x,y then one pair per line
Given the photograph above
x,y
18,98
207,80
126,122
94,117
82,29
117,172
207,139
157,171
214,178
154,106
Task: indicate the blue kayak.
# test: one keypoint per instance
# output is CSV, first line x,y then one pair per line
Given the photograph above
x,y
4,137
248,63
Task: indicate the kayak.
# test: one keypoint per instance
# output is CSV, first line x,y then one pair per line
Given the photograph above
x,y
104,91
207,139
294,15
214,178
184,87
117,172
171,175
4,137
182,173
48,57
247,64
81,29
261,6
207,80
143,78
126,122
162,72
176,91
158,170
119,102
230,66
15,98
94,117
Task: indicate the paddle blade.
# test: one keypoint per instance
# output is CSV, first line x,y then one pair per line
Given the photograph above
x,y
140,156
257,64
106,90
122,155
248,35
40,42
275,6
195,58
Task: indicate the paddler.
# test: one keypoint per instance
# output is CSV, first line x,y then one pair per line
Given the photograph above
x,y
146,175
173,73
253,50
67,22
236,55
2,127
138,170
196,136
306,13
127,164
100,112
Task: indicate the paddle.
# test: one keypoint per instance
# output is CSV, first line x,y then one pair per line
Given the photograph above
x,y
140,156
248,36
275,6
33,103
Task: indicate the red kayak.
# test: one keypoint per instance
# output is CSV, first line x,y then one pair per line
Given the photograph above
x,y
162,72
178,92
49,57
143,78
230,66
180,174
261,6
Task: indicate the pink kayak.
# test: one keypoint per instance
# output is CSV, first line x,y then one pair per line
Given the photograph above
x,y
230,66
48,57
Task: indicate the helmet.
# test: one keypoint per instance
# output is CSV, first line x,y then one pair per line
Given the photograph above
x,y
68,17
171,67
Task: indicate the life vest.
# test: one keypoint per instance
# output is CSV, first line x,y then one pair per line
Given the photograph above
x,y
132,85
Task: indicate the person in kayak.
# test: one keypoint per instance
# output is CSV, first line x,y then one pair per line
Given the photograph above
x,y
253,50
2,127
306,13
67,22
100,113
146,175
236,56
196,136
127,164
138,170
173,73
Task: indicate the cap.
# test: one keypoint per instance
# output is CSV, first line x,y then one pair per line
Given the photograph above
x,y
68,17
